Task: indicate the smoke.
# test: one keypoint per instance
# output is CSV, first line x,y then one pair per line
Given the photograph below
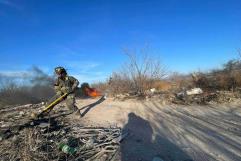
x,y
21,87
38,77
33,76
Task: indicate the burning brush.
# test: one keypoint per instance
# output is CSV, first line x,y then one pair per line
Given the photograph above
x,y
88,91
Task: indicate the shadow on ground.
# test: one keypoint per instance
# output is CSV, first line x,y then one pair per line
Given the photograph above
x,y
90,106
205,133
140,145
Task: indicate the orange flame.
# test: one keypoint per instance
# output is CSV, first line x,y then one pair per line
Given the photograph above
x,y
92,92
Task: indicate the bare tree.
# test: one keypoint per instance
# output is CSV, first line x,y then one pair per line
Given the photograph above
x,y
142,69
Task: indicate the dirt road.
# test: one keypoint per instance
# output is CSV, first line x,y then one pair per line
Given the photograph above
x,y
170,132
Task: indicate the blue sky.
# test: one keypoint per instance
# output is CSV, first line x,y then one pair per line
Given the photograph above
x,y
88,36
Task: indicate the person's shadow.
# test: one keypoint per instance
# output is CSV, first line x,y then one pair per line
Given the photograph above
x,y
90,106
139,145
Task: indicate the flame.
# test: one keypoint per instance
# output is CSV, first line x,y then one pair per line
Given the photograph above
x,y
92,92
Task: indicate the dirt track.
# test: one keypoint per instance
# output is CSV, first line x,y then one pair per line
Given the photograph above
x,y
171,132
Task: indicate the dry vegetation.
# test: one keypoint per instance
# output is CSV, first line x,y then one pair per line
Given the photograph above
x,y
137,77
143,75
140,73
227,78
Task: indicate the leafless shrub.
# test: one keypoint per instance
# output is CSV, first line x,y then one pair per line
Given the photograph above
x,y
180,81
226,78
200,80
101,86
138,74
120,83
